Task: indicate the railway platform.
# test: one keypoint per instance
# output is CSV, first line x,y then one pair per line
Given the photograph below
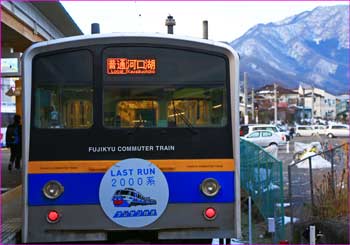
x,y
11,201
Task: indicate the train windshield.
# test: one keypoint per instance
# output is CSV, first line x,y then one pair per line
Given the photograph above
x,y
164,107
163,88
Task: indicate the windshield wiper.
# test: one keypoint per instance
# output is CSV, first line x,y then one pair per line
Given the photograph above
x,y
184,119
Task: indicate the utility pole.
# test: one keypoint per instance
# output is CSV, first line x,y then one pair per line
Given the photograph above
x,y
303,117
312,104
205,29
253,108
170,22
245,87
275,93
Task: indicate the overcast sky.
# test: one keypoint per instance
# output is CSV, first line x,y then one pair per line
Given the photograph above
x,y
227,20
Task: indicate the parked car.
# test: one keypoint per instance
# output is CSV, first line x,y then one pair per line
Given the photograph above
x,y
264,138
319,129
248,128
337,131
304,130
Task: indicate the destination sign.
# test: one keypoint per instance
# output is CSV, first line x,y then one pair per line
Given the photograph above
x,y
125,66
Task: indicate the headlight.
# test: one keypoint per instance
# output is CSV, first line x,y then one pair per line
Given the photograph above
x,y
210,187
53,189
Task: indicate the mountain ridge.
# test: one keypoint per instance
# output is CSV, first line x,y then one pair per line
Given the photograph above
x,y
311,47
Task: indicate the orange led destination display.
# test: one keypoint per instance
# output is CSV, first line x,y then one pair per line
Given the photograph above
x,y
123,66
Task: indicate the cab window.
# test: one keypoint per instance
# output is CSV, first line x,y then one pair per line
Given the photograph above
x,y
62,89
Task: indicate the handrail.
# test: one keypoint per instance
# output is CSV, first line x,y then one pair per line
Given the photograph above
x,y
271,157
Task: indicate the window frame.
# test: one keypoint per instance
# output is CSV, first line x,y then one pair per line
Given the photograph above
x,y
63,85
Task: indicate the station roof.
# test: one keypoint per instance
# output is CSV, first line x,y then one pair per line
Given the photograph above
x,y
57,14
19,20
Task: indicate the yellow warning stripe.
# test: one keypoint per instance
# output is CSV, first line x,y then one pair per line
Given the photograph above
x,y
101,166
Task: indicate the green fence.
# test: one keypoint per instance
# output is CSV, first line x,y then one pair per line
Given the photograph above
x,y
262,179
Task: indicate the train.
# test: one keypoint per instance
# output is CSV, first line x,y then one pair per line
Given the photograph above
x,y
153,115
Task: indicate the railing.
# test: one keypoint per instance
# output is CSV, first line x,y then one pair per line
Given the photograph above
x,y
262,179
319,189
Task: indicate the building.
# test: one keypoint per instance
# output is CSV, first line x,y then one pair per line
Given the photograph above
x,y
343,108
322,103
303,104
287,101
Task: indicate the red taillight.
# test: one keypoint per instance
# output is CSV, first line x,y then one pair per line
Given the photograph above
x,y
283,138
284,242
210,213
53,216
241,132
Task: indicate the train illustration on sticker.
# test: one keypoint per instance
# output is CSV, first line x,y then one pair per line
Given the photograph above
x,y
129,197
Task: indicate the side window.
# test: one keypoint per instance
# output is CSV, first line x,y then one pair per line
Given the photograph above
x,y
254,135
266,134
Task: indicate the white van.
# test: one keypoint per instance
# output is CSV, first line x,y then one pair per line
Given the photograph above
x,y
338,131
304,130
319,129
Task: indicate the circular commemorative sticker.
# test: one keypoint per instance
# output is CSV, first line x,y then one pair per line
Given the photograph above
x,y
134,193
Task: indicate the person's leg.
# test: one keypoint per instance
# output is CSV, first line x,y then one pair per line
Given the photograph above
x,y
12,157
18,153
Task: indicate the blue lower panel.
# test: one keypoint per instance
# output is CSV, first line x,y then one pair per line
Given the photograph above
x,y
83,188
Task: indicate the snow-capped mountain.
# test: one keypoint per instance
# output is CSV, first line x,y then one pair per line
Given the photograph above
x,y
311,47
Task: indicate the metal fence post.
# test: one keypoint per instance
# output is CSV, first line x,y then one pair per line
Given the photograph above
x,y
312,234
311,187
290,201
281,211
250,235
332,171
